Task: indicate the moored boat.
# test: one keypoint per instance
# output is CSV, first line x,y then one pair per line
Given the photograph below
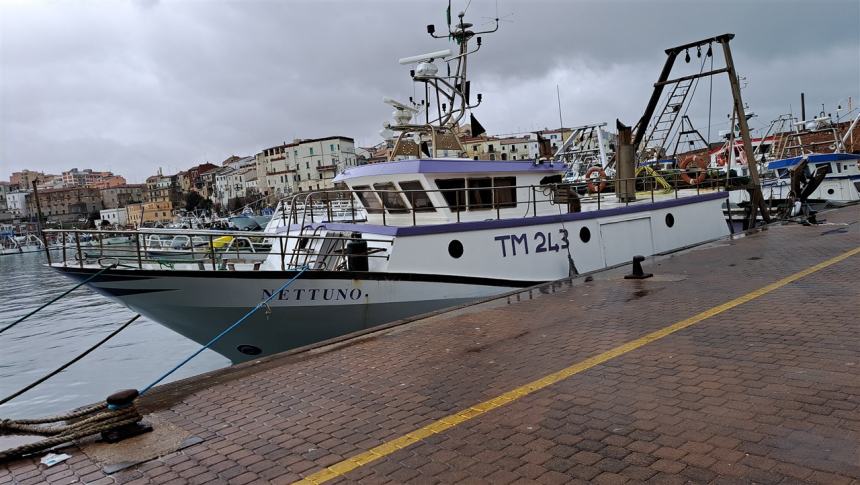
x,y
421,232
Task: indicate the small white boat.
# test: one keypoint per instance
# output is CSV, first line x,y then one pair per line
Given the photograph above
x,y
181,247
13,243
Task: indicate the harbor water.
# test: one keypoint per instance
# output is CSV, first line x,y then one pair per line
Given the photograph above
x,y
55,335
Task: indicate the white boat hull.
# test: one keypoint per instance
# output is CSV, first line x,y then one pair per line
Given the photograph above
x,y
417,273
318,306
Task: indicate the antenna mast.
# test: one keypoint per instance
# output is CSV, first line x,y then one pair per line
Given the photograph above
x,y
446,96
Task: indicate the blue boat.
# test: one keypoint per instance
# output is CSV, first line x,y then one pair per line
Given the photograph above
x,y
842,183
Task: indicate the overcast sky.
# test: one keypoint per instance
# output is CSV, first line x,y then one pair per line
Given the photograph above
x,y
133,86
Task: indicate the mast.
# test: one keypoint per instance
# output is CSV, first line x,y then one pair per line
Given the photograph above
x,y
451,90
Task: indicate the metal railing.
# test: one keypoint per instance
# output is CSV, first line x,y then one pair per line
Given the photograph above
x,y
542,196
309,247
132,249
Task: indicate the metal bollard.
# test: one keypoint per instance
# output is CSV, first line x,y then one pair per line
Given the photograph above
x,y
638,274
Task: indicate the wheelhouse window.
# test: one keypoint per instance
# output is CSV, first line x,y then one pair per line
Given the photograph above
x,y
453,192
391,198
480,193
417,197
368,199
506,192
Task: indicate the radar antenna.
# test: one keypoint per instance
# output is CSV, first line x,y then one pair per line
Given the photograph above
x,y
446,100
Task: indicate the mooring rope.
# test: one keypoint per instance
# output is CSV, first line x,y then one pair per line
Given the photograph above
x,y
118,411
16,322
102,418
262,304
69,363
78,423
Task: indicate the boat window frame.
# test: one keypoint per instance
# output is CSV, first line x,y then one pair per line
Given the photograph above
x,y
414,195
477,193
450,193
371,204
391,197
510,189
506,184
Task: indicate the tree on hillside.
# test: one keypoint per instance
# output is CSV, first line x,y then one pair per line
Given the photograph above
x,y
193,200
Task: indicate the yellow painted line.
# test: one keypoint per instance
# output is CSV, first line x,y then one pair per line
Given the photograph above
x,y
448,422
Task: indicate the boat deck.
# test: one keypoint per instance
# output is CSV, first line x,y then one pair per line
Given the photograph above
x,y
737,362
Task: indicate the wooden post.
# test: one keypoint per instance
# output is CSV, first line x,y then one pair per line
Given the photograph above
x,y
625,165
756,198
137,249
78,249
39,220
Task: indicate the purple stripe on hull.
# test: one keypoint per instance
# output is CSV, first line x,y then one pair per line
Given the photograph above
x,y
519,222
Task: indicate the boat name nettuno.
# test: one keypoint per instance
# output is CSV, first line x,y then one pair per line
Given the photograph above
x,y
317,294
543,242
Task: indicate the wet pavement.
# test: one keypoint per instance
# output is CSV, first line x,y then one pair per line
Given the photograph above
x,y
737,362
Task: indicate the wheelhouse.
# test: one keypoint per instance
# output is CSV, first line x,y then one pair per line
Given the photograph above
x,y
451,190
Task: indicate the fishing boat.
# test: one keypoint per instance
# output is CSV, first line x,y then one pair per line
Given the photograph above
x,y
11,242
817,145
424,231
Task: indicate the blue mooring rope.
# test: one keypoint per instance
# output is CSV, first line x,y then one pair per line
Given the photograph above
x,y
226,331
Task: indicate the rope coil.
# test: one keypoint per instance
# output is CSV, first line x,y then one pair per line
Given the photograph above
x,y
65,427
119,409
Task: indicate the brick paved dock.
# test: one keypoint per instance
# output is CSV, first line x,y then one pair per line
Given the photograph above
x,y
737,362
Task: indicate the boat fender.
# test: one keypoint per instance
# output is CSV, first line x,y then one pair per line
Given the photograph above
x,y
601,176
356,254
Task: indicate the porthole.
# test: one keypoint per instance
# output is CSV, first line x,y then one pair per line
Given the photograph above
x,y
249,349
455,248
830,191
670,220
584,235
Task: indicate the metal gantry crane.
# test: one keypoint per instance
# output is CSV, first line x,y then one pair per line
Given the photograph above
x,y
680,89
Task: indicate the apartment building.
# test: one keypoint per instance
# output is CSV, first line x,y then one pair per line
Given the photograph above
x,y
194,178
18,203
163,188
5,188
231,183
25,178
71,204
116,217
123,195
149,212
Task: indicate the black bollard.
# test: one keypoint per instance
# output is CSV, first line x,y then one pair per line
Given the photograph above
x,y
638,274
119,401
122,399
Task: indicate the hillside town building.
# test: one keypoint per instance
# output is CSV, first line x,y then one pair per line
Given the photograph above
x,y
67,205
116,217
121,196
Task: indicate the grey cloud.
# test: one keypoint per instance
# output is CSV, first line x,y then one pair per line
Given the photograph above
x,y
135,86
